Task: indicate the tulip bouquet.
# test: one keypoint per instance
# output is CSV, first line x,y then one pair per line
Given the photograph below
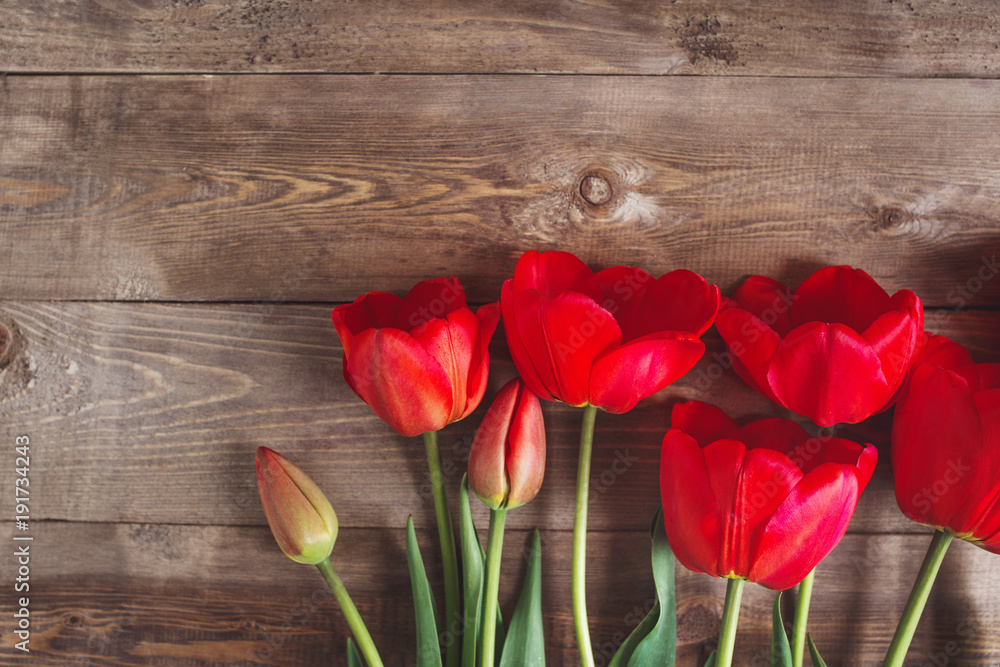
x,y
763,502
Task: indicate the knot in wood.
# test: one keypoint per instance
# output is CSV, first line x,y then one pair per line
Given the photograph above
x,y
892,217
595,189
5,344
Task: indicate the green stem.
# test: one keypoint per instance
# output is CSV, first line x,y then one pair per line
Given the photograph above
x,y
449,557
801,618
730,616
494,551
580,538
918,598
354,621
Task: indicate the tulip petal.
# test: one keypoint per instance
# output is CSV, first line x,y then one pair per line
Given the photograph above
x,y
526,459
704,422
523,360
747,495
452,343
945,353
488,317
828,373
369,311
680,300
980,514
805,527
766,299
751,343
840,294
988,376
405,386
893,336
430,299
552,273
623,288
781,435
690,514
628,374
564,336
488,454
936,443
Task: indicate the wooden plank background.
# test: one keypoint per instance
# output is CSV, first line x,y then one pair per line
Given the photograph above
x,y
187,189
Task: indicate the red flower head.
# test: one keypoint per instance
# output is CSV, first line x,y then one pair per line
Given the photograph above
x,y
419,361
764,502
507,460
946,444
607,339
836,350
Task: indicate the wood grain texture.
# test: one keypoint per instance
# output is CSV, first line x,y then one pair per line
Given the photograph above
x,y
150,413
782,38
142,594
302,188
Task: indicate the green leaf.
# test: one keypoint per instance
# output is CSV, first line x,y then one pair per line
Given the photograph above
x,y
659,647
625,651
473,564
711,660
781,652
525,642
428,649
353,657
814,652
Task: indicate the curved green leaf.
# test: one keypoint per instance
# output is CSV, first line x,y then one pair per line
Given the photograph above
x,y
353,657
525,642
711,660
659,648
428,649
781,652
625,651
473,573
814,653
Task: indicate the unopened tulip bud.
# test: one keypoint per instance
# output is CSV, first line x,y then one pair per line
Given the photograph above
x,y
507,461
301,518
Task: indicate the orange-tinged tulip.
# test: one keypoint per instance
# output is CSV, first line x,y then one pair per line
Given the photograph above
x,y
507,460
419,361
301,518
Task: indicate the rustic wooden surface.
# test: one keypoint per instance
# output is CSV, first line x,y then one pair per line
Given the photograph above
x,y
187,188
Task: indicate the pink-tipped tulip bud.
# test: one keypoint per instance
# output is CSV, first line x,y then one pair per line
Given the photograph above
x,y
507,461
301,518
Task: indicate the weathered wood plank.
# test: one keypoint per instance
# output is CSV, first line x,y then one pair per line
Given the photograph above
x,y
151,413
783,38
289,188
139,594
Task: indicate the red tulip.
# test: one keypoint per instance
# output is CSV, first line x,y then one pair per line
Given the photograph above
x,y
764,502
419,361
608,339
836,350
507,460
301,518
946,444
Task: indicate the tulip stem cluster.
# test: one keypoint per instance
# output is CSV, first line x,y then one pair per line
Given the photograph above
x,y
801,617
494,550
580,538
730,617
446,534
918,598
358,628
